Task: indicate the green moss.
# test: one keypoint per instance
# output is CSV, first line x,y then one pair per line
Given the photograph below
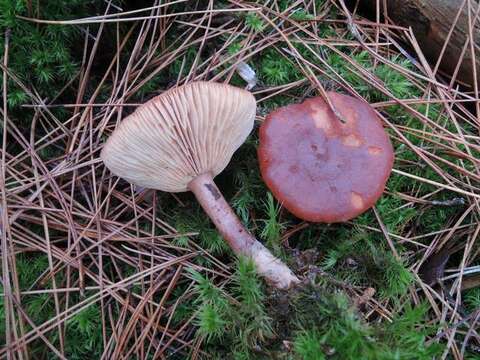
x,y
276,69
472,299
84,334
330,328
308,345
40,55
194,220
272,227
364,260
254,22
228,326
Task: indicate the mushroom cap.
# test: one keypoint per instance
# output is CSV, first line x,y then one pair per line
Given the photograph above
x,y
321,169
182,133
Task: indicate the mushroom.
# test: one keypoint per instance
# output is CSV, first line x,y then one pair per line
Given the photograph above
x,y
322,168
179,141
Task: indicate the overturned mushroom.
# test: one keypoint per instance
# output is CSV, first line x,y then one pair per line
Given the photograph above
x,y
180,141
321,168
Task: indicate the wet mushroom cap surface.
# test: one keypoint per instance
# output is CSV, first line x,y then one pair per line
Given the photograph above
x,y
318,167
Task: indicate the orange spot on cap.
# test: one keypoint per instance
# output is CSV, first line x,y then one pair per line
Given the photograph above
x,y
374,150
352,116
321,118
356,200
352,140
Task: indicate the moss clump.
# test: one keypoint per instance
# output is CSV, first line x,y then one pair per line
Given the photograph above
x,y
330,321
41,56
306,323
233,319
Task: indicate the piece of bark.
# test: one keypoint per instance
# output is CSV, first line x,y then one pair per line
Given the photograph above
x,y
471,282
431,21
434,267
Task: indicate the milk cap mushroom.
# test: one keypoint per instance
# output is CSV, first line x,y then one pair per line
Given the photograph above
x,y
321,167
179,141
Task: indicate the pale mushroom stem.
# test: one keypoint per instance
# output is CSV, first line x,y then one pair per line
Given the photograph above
x,y
240,240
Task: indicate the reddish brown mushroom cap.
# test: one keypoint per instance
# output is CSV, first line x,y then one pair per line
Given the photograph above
x,y
320,168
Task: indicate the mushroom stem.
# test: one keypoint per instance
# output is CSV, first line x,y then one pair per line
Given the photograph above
x,y
239,239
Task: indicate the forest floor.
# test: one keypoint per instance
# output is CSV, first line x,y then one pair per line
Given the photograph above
x,y
93,267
